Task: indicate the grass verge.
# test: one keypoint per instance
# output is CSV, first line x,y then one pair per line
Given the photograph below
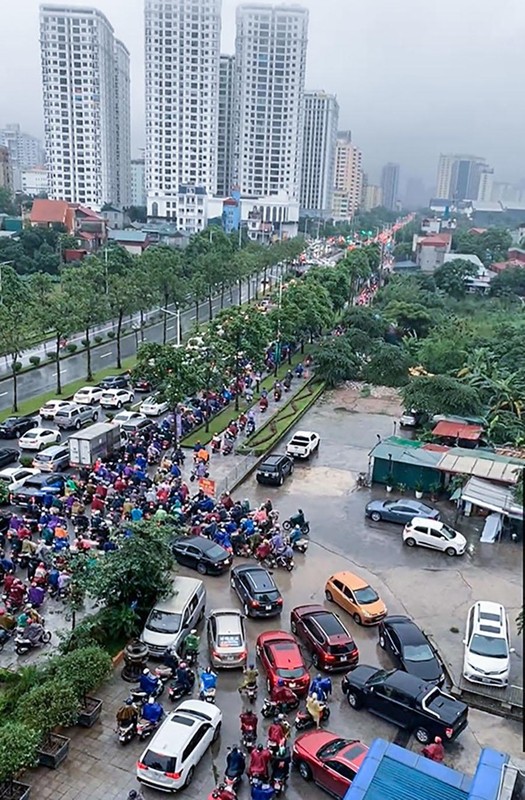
x,y
267,437
221,420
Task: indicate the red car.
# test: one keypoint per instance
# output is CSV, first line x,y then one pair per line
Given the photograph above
x,y
282,659
329,760
324,634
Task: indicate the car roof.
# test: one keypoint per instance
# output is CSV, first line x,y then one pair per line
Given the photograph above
x,y
228,621
53,450
408,631
179,726
258,575
183,587
45,477
406,682
304,433
484,622
350,579
285,651
434,523
197,541
274,459
7,472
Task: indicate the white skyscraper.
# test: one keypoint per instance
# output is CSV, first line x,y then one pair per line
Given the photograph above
x,y
122,125
348,177
226,125
182,99
86,105
25,151
321,116
270,64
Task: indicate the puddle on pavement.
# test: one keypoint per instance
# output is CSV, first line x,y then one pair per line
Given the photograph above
x,y
324,481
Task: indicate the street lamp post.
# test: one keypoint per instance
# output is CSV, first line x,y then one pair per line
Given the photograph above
x,y
175,314
278,341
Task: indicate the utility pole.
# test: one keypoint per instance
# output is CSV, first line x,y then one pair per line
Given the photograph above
x,y
278,340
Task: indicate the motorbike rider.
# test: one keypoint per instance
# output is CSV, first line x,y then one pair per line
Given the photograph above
x,y
249,677
314,708
280,764
152,711
170,659
262,791
208,680
296,535
191,643
127,714
434,751
287,553
7,620
183,676
235,763
298,519
248,722
33,631
282,694
148,682
259,763
321,687
276,733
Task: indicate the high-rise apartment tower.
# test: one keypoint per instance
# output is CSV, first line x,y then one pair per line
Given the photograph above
x,y
321,115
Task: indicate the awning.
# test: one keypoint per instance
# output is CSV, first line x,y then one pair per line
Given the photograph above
x,y
485,494
494,470
458,430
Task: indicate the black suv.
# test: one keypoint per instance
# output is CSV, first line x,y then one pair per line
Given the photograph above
x,y
13,427
274,470
114,382
407,701
257,591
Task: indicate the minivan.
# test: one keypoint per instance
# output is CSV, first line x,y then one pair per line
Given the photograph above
x,y
52,459
170,621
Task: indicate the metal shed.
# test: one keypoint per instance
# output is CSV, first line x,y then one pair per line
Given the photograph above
x,y
484,494
406,462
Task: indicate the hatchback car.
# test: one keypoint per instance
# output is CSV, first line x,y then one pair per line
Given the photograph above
x,y
329,760
52,459
49,409
7,456
114,382
116,398
168,762
434,534
410,648
325,636
274,470
257,591
487,645
200,553
303,444
400,511
88,395
227,639
281,658
14,477
152,406
14,427
412,418
355,595
38,438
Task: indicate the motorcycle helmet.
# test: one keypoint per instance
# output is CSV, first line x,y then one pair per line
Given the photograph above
x,y
193,632
318,677
251,666
208,670
151,700
132,795
280,682
280,717
129,701
146,671
183,665
259,747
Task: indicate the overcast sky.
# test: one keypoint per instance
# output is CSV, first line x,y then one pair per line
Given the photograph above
x,y
413,78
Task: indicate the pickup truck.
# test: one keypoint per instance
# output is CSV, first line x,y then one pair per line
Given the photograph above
x,y
73,416
38,486
407,701
303,444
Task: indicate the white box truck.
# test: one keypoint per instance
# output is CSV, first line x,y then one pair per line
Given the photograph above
x,y
96,441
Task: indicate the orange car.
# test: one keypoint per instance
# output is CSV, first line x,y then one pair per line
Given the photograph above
x,y
358,598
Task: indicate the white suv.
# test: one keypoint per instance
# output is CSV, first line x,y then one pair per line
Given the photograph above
x,y
487,644
168,762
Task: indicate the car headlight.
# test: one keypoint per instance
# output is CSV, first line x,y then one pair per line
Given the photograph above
x,y
366,613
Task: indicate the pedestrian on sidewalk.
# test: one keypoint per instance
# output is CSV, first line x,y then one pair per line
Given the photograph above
x,y
258,378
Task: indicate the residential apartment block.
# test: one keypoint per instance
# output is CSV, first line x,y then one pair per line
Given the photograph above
x,y
348,177
225,139
321,116
25,151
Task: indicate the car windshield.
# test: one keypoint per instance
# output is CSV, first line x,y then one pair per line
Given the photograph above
x,y
366,596
290,673
332,748
43,458
229,640
159,761
216,552
163,622
268,468
489,646
418,652
447,532
267,597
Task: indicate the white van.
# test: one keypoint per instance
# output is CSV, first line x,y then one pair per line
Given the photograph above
x,y
170,620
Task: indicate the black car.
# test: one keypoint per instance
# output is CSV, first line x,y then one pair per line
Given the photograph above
x,y
7,456
257,591
200,553
14,427
114,382
37,487
407,701
410,648
274,469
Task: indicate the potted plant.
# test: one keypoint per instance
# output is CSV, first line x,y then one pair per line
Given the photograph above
x,y
401,488
18,746
418,488
85,669
52,704
434,491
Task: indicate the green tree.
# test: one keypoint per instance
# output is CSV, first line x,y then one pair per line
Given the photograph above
x,y
178,373
409,317
17,326
163,268
442,394
125,287
510,280
357,268
18,747
451,277
48,705
335,362
6,201
87,283
388,366
368,320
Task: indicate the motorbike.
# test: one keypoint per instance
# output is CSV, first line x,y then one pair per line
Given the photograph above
x,y
126,732
284,563
304,719
145,728
208,695
190,657
216,445
290,523
233,780
163,673
271,709
176,690
251,692
362,481
222,792
279,784
277,395
23,645
250,427
227,446
140,697
263,404
248,739
301,545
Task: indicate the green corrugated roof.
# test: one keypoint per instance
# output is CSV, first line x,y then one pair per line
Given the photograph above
x,y
396,781
403,442
406,451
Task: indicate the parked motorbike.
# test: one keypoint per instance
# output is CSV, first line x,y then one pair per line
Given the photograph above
x,y
271,709
304,719
176,690
23,645
126,733
362,481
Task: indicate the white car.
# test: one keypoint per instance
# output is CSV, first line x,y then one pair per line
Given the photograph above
x,y
49,409
303,444
15,477
38,438
116,398
88,395
152,406
487,645
126,416
168,762
434,534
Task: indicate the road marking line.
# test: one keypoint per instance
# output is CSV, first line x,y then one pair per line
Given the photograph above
x,y
170,327
3,394
56,373
106,355
194,316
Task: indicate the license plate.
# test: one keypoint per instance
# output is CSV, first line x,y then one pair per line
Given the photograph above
x,y
266,474
268,608
291,685
343,658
